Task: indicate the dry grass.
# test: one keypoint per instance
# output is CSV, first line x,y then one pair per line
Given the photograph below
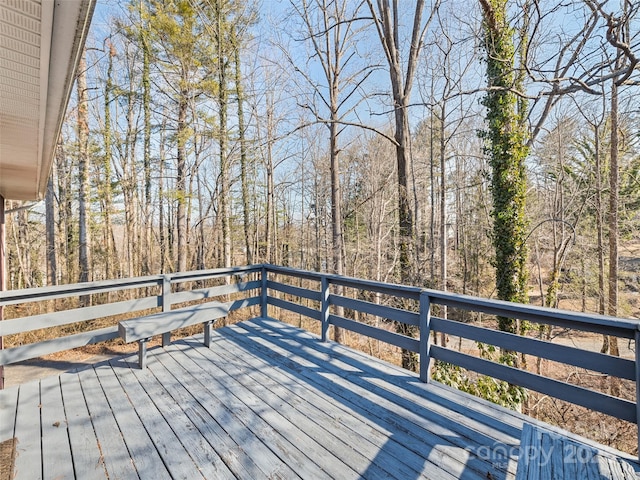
x,y
7,458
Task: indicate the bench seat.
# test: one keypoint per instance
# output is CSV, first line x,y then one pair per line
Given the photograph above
x,y
548,455
141,329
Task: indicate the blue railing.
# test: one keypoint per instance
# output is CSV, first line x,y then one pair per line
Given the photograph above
x,y
318,296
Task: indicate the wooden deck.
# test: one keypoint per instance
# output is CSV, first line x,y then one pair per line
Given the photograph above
x,y
266,401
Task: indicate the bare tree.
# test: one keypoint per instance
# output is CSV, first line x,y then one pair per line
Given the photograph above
x,y
83,173
402,75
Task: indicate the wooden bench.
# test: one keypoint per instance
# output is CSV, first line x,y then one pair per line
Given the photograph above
x,y
546,454
141,329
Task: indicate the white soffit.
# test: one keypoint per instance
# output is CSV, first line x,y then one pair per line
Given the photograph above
x,y
40,44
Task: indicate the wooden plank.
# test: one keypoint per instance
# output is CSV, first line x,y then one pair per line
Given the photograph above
x,y
627,469
411,424
8,407
213,453
34,350
334,456
572,454
499,418
12,297
384,311
403,291
245,455
237,415
142,450
621,327
499,423
386,336
196,275
56,450
88,462
294,307
616,407
186,455
527,452
213,292
295,291
243,303
322,416
114,450
616,366
145,327
66,317
28,462
545,455
451,399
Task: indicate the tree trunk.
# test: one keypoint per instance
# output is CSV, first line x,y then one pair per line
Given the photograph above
x,y
225,211
387,24
507,149
50,220
443,216
83,175
614,186
246,217
147,219
162,237
106,193
336,208
181,213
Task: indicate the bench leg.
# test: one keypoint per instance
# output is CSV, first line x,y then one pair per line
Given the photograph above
x,y
207,333
166,339
142,353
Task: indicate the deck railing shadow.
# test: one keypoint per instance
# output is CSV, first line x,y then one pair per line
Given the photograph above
x,y
379,405
313,296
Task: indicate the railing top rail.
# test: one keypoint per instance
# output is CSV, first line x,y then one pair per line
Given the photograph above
x,y
530,312
11,297
624,327
391,288
203,274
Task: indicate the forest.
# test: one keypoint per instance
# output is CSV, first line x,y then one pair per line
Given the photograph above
x,y
488,148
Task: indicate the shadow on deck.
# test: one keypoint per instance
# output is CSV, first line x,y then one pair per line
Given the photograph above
x,y
266,401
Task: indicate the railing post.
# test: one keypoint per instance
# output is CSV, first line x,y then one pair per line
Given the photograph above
x,y
637,345
324,308
425,337
165,301
264,310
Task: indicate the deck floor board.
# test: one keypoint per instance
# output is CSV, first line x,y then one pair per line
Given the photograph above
x,y
113,449
56,455
142,450
27,432
412,451
346,436
87,458
334,456
267,400
432,436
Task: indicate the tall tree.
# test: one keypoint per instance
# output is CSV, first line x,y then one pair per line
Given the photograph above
x,y
506,138
50,224
331,29
181,33
106,190
83,170
387,18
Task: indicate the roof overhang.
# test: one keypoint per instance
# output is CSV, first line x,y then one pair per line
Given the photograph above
x,y
40,46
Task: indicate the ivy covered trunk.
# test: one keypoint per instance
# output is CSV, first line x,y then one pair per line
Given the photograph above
x,y
506,146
